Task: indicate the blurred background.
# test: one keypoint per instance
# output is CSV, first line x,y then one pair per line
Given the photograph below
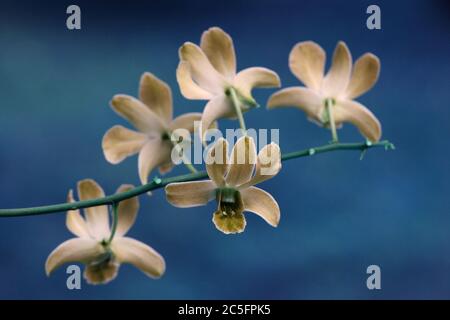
x,y
339,214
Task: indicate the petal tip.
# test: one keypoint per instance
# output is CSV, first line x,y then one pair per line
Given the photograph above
x,y
109,157
277,80
215,29
70,197
144,179
117,99
48,269
86,182
273,100
160,270
341,43
184,47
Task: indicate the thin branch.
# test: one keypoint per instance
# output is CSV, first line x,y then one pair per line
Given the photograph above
x,y
237,107
115,211
329,103
158,183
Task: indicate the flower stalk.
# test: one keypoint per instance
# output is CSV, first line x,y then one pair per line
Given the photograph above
x,y
237,107
115,219
329,110
160,183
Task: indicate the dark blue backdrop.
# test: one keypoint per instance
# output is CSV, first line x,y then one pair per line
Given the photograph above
x,y
339,214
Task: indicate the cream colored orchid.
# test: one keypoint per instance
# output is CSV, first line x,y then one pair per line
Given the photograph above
x,y
151,115
92,246
339,87
232,184
209,73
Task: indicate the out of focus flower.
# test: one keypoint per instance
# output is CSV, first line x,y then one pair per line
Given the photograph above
x,y
92,246
151,115
208,72
338,88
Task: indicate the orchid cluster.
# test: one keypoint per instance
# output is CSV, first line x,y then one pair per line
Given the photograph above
x,y
208,72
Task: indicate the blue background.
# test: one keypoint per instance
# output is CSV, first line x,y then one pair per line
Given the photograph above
x,y
339,214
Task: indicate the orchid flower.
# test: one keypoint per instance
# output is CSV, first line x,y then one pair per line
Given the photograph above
x,y
209,73
93,245
329,100
231,183
151,115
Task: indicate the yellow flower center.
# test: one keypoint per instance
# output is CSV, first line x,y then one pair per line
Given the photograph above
x,y
229,218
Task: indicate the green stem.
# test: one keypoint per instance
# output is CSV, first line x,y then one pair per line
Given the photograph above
x,y
337,146
189,166
161,183
237,107
115,207
328,105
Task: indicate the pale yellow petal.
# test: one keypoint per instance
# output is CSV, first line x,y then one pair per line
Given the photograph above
x,y
190,194
218,47
307,63
156,94
188,87
338,77
357,114
120,142
155,152
203,73
255,77
137,113
268,164
80,250
242,162
364,76
215,109
261,203
186,121
127,211
143,257
74,221
217,162
97,218
303,98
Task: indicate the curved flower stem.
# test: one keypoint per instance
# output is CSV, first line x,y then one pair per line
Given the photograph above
x,y
235,101
115,207
328,105
189,166
158,183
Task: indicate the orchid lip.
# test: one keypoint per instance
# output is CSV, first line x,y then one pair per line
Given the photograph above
x,y
229,200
